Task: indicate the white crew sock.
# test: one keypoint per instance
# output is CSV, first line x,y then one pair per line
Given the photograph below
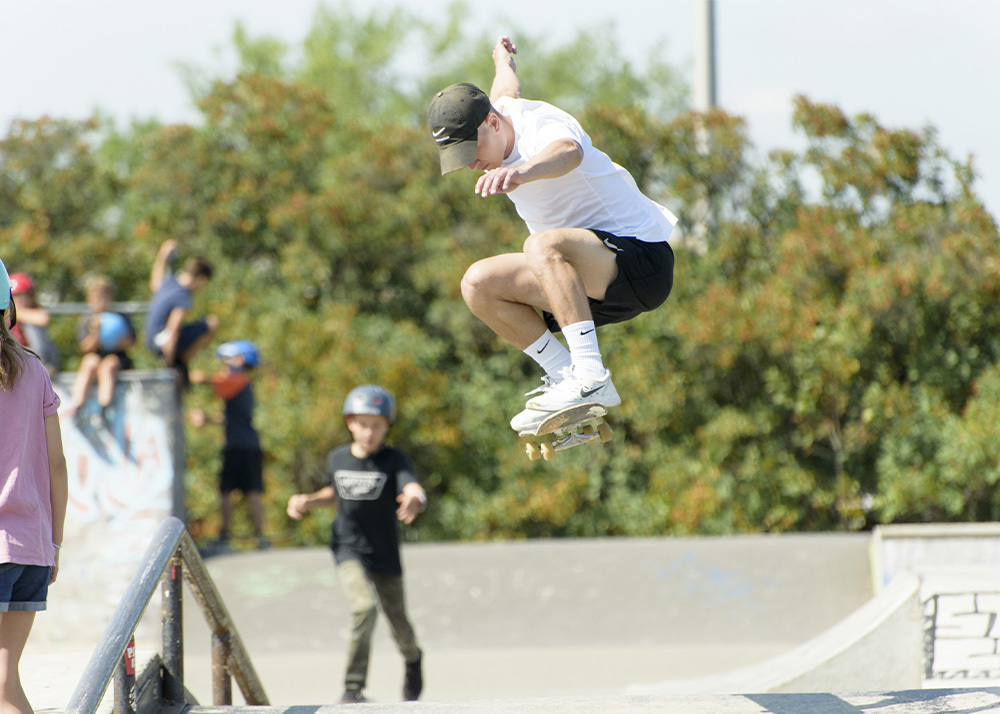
x,y
550,354
582,340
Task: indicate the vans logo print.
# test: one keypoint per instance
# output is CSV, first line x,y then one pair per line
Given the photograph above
x,y
359,485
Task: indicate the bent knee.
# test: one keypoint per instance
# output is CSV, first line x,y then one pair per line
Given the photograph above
x,y
476,281
545,245
90,361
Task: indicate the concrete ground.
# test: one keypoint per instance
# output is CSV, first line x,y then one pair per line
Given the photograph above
x,y
553,618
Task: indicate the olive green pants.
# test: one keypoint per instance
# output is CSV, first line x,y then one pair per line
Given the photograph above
x,y
363,589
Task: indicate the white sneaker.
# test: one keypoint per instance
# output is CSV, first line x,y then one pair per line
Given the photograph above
x,y
526,421
576,390
567,393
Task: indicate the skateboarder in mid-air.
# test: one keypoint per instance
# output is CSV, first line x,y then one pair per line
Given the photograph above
x,y
597,252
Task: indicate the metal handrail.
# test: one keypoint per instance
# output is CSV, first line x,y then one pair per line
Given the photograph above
x,y
171,550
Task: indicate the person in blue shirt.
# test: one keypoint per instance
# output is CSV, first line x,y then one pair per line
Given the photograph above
x,y
167,334
242,457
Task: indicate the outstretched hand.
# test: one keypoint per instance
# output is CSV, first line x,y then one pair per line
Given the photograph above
x,y
503,50
410,506
298,506
501,180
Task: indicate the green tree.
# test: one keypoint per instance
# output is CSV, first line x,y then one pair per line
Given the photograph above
x,y
829,360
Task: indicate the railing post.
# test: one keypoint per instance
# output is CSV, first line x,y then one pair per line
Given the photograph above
x,y
173,631
222,682
125,681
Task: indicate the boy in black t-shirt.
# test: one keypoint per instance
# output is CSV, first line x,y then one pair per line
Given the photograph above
x,y
371,485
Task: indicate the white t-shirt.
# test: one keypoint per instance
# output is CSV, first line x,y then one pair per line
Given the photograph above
x,y
598,194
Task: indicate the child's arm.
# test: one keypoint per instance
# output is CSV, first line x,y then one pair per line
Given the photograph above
x,y
33,316
198,418
160,264
412,502
58,484
301,503
90,340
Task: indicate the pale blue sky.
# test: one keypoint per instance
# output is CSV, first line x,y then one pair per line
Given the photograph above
x,y
909,62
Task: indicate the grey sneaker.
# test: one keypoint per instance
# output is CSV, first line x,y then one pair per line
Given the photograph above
x,y
352,696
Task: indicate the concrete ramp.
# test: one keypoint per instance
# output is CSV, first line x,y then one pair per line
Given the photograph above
x,y
125,472
878,647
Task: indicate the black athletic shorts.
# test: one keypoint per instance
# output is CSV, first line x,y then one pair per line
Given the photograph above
x,y
242,470
645,278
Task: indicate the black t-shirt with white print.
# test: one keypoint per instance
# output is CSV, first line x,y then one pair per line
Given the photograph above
x,y
366,528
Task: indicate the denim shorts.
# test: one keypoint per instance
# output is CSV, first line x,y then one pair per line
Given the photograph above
x,y
645,278
23,588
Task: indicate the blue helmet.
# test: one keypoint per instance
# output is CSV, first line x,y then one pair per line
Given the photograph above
x,y
239,348
370,399
4,287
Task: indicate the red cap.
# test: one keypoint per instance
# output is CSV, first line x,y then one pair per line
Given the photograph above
x,y
21,283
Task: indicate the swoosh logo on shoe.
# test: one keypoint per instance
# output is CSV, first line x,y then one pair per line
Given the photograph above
x,y
587,392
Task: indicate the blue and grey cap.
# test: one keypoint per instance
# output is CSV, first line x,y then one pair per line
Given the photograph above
x,y
370,399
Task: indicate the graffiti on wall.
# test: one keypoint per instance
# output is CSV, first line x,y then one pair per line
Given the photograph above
x,y
121,470
122,466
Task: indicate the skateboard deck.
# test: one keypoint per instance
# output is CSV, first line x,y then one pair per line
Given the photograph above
x,y
565,429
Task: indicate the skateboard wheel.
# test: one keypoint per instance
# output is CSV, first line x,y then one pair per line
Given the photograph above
x,y
605,432
548,453
587,429
534,454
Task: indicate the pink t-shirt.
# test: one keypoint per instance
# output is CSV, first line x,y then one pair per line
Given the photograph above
x,y
25,500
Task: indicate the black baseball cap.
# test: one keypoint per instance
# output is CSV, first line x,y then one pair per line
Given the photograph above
x,y
453,118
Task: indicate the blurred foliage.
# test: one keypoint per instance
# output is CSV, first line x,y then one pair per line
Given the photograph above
x,y
829,359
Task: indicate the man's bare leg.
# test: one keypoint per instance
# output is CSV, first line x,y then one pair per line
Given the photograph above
x,y
557,272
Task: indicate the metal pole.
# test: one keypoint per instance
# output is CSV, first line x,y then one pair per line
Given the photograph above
x,y
125,681
173,631
704,100
704,55
222,682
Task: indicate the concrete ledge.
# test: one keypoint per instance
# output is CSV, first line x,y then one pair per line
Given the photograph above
x,y
878,646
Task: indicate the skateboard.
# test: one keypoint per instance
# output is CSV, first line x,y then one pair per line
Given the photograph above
x,y
565,429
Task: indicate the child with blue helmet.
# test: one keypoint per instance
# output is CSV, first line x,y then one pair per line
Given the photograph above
x,y
372,486
242,457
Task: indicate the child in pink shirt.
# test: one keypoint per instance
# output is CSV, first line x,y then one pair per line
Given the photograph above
x,y
33,494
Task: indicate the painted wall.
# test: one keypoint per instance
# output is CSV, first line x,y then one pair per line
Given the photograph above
x,y
126,475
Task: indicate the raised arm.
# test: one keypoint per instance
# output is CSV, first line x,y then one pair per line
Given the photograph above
x,y
505,83
160,264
